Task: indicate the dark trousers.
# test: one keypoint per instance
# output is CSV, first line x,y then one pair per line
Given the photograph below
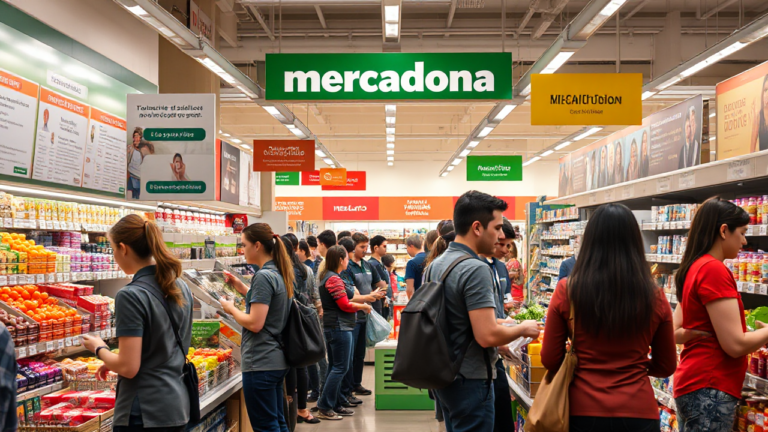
x,y
317,373
613,424
263,392
354,378
297,384
505,419
339,348
467,405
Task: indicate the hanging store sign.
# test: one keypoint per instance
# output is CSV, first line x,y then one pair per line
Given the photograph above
x,y
310,178
172,142
333,177
287,178
199,22
230,173
389,76
670,139
742,113
283,155
415,208
494,168
355,182
302,208
350,208
587,99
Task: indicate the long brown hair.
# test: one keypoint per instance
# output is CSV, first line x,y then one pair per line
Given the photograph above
x,y
273,245
146,239
705,229
333,259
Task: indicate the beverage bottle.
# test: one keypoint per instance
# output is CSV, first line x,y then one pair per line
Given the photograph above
x,y
752,210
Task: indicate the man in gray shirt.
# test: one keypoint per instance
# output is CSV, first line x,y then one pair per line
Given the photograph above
x,y
468,403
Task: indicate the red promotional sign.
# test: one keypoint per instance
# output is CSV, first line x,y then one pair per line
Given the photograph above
x,y
283,155
310,178
355,181
350,208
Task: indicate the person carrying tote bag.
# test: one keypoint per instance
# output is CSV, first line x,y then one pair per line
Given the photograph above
x,y
622,316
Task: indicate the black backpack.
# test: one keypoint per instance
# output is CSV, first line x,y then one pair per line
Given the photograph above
x,y
424,358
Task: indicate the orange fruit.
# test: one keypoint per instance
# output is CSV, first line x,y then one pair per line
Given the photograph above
x,y
25,295
44,295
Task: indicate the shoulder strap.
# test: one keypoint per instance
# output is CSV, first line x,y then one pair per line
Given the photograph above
x,y
452,266
150,289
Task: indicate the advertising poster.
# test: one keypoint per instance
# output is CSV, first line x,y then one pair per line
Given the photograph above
x,y
18,109
230,174
668,140
587,99
171,146
310,208
283,155
104,164
62,127
742,113
355,182
415,208
62,121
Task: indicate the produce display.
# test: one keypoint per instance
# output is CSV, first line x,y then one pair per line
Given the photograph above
x,y
21,256
532,312
73,408
32,375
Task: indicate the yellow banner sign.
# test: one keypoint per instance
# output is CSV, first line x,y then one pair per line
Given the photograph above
x,y
587,99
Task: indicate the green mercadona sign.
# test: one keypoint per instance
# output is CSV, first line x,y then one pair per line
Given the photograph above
x,y
389,76
494,168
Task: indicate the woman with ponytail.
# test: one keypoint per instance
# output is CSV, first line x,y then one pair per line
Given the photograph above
x,y
149,363
267,304
709,320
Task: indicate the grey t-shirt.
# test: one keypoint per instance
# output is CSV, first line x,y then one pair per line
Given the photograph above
x,y
157,393
468,287
261,351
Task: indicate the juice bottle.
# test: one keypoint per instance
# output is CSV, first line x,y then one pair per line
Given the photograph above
x,y
752,210
757,264
764,221
743,265
759,207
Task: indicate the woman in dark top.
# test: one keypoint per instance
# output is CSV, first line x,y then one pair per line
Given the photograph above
x,y
760,120
297,381
151,395
619,315
339,316
267,304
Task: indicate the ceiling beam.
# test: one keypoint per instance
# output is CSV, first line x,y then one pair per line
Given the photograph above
x,y
717,9
547,18
524,22
451,13
635,10
260,18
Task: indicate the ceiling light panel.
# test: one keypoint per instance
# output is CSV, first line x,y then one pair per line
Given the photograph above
x,y
558,61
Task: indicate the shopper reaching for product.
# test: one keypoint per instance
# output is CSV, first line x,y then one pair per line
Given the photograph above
x,y
711,373
154,304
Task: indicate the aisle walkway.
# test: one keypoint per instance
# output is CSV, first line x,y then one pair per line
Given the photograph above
x,y
367,419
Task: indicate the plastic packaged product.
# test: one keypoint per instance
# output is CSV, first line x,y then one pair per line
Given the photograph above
x,y
743,267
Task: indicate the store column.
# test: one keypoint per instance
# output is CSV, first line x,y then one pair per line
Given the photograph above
x,y
667,52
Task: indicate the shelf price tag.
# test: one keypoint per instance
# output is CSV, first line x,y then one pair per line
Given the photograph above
x,y
22,352
762,230
56,225
592,198
8,223
3,280
751,288
76,341
40,278
763,289
68,342
60,344
66,277
740,286
608,195
32,350
13,280
627,192
742,169
751,381
49,347
687,180
50,277
664,184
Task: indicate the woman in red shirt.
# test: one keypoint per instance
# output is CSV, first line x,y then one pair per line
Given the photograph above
x,y
708,382
620,315
516,274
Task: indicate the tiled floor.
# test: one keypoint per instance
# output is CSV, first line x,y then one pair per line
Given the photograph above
x,y
367,419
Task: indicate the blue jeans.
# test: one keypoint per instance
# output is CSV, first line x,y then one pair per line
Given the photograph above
x,y
263,392
134,185
467,405
339,347
354,377
706,410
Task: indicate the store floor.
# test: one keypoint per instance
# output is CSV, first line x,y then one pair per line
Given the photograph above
x,y
367,419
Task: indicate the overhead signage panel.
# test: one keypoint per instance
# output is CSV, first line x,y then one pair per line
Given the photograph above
x,y
742,113
283,155
587,99
389,76
355,181
494,168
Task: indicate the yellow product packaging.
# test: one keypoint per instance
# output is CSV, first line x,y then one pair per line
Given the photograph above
x,y
69,211
54,211
534,349
40,209
62,212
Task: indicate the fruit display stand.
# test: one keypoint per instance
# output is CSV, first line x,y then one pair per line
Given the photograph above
x,y
392,395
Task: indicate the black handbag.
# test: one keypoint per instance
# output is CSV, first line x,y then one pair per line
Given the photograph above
x,y
301,340
189,373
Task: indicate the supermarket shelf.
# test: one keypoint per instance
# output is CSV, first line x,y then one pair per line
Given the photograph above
x,y
663,258
665,399
33,224
756,383
554,253
42,391
560,219
68,346
752,288
549,272
666,226
521,396
25,279
558,237
220,393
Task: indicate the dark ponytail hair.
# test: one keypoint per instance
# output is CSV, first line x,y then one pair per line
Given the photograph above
x,y
273,245
297,264
146,240
705,229
333,259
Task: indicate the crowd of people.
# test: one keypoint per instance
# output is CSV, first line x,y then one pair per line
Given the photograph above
x,y
608,306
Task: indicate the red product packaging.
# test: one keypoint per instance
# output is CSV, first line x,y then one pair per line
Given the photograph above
x,y
78,399
104,400
50,400
54,413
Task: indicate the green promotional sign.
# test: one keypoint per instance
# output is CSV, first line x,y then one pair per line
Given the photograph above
x,y
389,76
287,178
494,168
175,187
174,134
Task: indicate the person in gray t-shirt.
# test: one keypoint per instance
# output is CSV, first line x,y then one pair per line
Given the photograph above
x,y
267,304
150,360
468,403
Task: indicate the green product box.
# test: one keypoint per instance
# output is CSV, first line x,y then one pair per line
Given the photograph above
x,y
205,333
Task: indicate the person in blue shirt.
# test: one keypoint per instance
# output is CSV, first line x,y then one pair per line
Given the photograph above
x,y
415,266
566,267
